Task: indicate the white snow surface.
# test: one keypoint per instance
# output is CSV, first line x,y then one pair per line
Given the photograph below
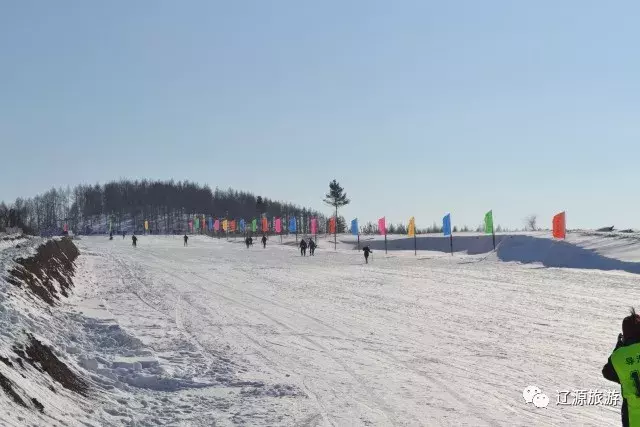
x,y
218,334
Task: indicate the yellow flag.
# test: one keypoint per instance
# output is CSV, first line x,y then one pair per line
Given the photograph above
x,y
146,224
412,227
225,224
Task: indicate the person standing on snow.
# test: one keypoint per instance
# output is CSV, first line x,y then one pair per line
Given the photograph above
x,y
124,233
264,240
312,247
623,366
134,240
303,247
366,251
185,240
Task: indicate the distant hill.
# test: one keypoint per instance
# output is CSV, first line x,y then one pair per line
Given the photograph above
x,y
126,204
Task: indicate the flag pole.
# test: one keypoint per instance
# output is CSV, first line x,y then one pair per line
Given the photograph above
x,y
385,241
415,242
451,241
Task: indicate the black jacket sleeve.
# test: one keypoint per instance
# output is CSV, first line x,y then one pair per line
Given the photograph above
x,y
609,373
607,370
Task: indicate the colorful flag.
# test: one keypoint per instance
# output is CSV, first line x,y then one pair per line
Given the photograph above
x,y
293,226
446,225
197,226
190,225
65,227
278,225
254,225
146,224
332,225
354,227
382,227
225,225
242,225
559,226
488,222
314,225
232,226
210,223
265,225
216,225
412,227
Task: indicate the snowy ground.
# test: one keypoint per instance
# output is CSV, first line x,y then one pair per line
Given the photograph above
x,y
218,334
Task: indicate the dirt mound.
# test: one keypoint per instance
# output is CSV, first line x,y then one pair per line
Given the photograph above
x,y
42,358
53,261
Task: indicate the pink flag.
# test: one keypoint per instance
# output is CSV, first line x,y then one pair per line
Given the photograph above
x,y
190,225
278,225
382,228
66,227
216,225
314,225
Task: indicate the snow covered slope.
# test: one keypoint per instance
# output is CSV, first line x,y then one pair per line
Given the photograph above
x,y
218,334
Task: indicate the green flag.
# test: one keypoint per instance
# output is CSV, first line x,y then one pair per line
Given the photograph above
x,y
254,225
488,222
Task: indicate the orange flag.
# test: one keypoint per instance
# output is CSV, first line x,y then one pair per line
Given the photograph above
x,y
332,225
559,226
265,225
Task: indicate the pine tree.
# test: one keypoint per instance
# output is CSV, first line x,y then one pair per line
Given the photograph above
x,y
337,198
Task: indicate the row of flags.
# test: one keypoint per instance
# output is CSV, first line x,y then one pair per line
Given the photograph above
x,y
262,225
558,222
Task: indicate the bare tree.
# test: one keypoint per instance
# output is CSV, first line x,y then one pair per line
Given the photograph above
x,y
531,222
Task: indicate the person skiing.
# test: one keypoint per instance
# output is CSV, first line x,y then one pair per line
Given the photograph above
x,y
134,240
250,241
264,240
303,247
622,368
111,235
366,251
312,247
185,240
247,242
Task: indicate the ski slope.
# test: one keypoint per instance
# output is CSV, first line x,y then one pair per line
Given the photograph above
x,y
228,335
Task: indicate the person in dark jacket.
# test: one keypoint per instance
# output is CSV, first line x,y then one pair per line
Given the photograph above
x,y
303,247
264,240
250,241
623,368
246,241
134,240
312,247
366,251
124,233
111,235
186,238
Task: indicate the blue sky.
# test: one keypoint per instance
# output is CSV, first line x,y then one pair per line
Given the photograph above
x,y
415,107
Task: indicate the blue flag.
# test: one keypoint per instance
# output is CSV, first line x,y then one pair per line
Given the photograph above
x,y
293,226
242,225
210,224
354,227
446,225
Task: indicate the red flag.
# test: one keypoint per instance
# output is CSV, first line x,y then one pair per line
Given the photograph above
x,y
278,225
332,225
559,226
265,225
233,225
382,227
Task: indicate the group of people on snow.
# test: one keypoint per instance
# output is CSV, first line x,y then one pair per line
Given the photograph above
x,y
304,245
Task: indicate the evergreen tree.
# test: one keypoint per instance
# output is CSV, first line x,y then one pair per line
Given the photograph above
x,y
337,198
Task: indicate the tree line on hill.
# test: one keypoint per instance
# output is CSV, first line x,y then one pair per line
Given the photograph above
x,y
166,205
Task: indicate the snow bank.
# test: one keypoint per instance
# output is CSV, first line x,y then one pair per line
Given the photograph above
x,y
583,250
